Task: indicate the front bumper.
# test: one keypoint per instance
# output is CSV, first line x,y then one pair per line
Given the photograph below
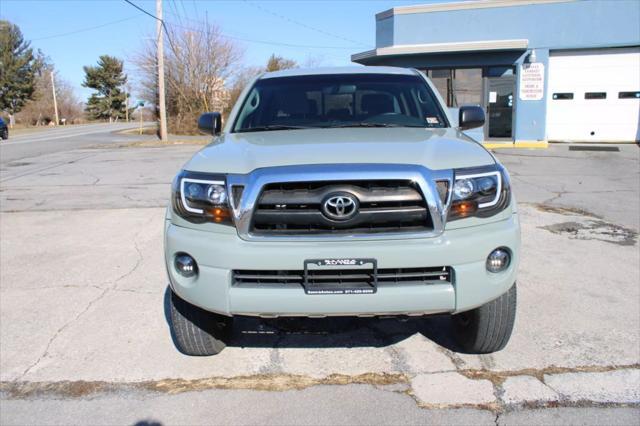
x,y
463,249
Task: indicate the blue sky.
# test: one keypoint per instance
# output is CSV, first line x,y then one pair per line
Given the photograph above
x,y
57,27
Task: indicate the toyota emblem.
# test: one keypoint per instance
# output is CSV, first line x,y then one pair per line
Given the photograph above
x,y
341,206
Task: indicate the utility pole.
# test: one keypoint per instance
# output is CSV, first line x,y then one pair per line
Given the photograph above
x,y
160,60
55,102
127,91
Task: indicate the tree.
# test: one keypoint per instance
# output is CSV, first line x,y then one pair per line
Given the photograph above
x,y
40,110
108,79
18,68
276,63
199,63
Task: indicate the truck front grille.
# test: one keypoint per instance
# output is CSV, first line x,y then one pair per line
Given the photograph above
x,y
280,278
296,208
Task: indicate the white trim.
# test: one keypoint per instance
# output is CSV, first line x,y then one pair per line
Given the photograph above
x,y
184,200
464,46
499,190
461,5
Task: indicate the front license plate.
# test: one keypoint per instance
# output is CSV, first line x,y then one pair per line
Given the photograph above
x,y
340,276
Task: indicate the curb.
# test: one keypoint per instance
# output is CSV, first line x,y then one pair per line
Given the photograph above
x,y
517,144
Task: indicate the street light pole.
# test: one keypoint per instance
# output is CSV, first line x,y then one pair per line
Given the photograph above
x,y
160,60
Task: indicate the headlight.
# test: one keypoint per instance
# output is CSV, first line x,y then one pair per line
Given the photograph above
x,y
201,197
480,192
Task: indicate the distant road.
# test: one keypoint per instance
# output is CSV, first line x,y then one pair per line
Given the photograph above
x,y
61,138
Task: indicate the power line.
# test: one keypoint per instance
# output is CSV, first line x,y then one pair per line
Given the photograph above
x,y
166,31
250,40
85,29
142,10
302,24
174,6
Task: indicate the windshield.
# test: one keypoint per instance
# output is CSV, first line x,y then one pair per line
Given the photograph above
x,y
341,100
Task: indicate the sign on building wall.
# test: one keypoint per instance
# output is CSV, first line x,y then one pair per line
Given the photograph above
x,y
532,81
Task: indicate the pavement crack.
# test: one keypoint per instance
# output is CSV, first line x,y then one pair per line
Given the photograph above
x,y
132,270
48,287
60,330
138,261
93,301
457,362
275,361
498,377
398,359
264,382
51,166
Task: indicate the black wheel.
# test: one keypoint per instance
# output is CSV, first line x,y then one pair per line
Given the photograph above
x,y
198,332
487,328
5,134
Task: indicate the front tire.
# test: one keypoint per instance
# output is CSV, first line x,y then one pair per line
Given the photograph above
x,y
5,134
198,332
487,328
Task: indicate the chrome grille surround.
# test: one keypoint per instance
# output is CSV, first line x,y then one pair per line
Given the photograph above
x,y
254,182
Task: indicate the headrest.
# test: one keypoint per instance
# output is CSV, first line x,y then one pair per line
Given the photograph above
x,y
374,104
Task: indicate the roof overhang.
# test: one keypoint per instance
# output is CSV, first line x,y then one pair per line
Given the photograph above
x,y
464,46
459,5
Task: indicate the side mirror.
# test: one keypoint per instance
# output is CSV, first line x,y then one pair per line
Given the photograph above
x,y
470,117
210,123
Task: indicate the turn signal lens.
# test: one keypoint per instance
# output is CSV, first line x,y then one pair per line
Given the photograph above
x,y
460,209
219,215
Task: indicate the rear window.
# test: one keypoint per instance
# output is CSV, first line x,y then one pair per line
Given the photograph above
x,y
562,96
629,95
339,100
595,95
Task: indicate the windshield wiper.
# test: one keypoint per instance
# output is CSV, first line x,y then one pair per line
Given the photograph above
x,y
366,124
273,127
363,124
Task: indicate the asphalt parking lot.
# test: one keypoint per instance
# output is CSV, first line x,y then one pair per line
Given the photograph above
x,y
85,338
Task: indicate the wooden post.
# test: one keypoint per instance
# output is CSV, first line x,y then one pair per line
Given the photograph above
x,y
55,102
160,59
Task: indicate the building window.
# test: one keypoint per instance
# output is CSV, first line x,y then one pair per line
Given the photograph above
x,y
442,80
595,95
467,86
629,95
461,86
562,96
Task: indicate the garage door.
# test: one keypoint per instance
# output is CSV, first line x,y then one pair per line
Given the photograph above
x,y
594,96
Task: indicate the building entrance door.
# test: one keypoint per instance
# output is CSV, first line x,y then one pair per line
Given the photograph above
x,y
499,106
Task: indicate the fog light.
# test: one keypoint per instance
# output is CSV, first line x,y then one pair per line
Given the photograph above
x,y
498,260
185,265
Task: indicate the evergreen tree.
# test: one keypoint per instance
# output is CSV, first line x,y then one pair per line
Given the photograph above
x,y
18,68
107,79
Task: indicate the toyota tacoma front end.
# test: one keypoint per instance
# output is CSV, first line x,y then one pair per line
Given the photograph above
x,y
342,192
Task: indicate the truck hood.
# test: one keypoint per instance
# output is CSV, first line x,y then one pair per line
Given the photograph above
x,y
435,149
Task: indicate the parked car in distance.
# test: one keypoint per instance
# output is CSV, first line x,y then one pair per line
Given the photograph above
x,y
4,129
342,191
